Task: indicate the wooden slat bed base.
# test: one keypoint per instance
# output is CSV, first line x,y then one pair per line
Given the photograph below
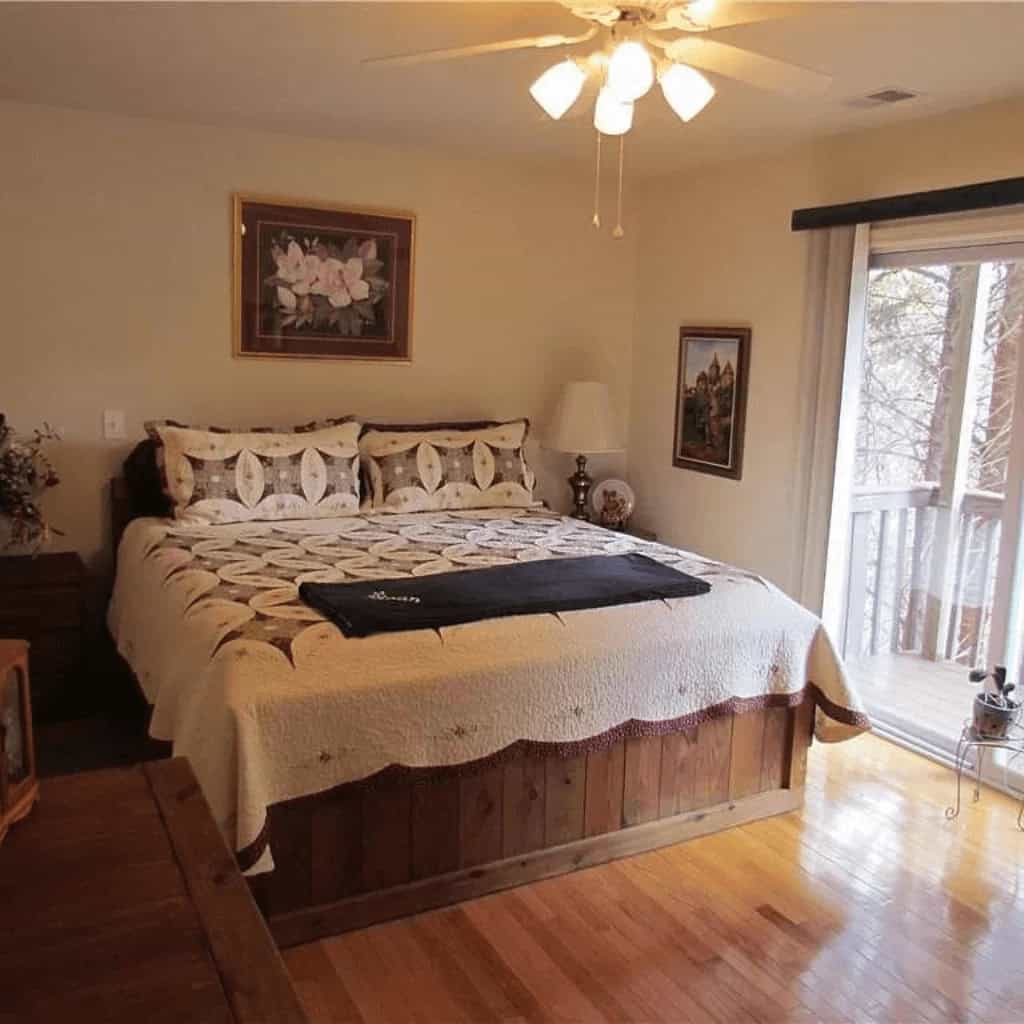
x,y
292,929
369,854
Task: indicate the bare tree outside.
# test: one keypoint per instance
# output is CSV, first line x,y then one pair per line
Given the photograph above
x,y
910,349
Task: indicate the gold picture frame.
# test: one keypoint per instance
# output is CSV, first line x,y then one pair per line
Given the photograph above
x,y
318,280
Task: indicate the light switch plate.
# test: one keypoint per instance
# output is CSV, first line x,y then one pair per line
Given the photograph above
x,y
113,424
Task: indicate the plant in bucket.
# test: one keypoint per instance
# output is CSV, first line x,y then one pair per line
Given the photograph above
x,y
994,710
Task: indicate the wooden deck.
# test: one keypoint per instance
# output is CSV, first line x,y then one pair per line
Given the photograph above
x,y
930,699
866,906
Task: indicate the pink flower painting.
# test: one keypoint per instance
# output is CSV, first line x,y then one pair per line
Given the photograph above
x,y
321,284
330,283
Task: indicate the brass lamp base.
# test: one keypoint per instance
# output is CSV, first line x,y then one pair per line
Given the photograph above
x,y
581,484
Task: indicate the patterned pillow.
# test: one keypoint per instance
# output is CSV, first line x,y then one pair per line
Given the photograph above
x,y
445,466
223,476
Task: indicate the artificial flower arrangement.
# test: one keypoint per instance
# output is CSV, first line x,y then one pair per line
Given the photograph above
x,y
25,473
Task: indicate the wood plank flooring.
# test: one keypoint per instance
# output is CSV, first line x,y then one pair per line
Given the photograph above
x,y
867,905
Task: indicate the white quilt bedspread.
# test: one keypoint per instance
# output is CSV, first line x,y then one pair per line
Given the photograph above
x,y
270,702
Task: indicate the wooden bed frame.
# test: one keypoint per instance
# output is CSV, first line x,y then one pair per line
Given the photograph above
x,y
401,843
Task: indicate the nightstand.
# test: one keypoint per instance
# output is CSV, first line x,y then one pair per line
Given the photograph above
x,y
42,600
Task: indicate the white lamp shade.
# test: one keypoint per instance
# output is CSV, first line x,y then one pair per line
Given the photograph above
x,y
611,115
687,91
630,71
583,422
558,88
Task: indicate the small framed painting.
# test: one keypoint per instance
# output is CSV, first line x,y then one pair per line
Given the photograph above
x,y
321,282
711,399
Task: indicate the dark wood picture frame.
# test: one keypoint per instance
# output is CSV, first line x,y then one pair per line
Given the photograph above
x,y
17,794
719,450
321,281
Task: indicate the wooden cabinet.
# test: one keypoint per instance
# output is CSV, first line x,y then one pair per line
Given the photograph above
x,y
120,902
18,785
43,601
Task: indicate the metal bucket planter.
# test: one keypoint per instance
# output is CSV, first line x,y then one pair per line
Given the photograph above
x,y
993,721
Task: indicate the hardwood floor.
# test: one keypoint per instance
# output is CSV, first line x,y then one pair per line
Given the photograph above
x,y
867,905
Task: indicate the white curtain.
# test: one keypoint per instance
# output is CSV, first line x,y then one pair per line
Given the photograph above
x,y
836,295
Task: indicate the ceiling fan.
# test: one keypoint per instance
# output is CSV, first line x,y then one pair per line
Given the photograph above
x,y
637,43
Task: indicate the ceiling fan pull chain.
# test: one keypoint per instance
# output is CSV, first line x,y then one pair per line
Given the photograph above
x,y
618,231
597,186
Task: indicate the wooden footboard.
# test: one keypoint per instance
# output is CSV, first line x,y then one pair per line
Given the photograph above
x,y
367,853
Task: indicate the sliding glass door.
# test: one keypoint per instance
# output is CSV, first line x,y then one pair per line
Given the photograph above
x,y
931,582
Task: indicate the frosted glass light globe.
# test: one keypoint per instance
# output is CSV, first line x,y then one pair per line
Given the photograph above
x,y
687,91
630,71
611,115
558,88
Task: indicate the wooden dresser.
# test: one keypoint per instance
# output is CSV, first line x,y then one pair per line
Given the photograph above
x,y
43,600
119,901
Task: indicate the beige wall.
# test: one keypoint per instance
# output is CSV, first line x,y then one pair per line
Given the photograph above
x,y
715,248
116,270
116,277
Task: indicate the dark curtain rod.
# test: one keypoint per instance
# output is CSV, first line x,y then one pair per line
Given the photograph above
x,y
985,195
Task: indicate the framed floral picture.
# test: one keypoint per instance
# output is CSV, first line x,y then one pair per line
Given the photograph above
x,y
322,282
711,399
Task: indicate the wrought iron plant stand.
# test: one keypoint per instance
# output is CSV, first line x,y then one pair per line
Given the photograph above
x,y
972,742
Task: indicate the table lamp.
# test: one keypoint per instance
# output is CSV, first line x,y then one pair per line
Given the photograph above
x,y
583,425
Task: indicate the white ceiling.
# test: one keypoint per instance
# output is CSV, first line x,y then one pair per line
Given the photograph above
x,y
295,68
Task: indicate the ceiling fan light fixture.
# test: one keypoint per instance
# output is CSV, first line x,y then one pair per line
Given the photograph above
x,y
558,88
686,90
612,116
630,71
700,10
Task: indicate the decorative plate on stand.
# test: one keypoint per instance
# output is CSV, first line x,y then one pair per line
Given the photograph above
x,y
613,502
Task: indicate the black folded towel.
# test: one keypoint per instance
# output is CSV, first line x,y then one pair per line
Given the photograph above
x,y
526,588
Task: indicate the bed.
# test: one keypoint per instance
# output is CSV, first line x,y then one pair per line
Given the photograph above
x,y
363,779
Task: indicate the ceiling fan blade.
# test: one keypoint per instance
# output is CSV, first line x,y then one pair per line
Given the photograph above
x,y
705,16
745,66
599,11
481,49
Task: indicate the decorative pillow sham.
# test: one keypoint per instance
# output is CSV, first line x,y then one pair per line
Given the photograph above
x,y
225,476
447,466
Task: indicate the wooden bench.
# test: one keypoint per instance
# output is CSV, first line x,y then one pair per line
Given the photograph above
x,y
120,901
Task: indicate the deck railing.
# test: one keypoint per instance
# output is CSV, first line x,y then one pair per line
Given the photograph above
x,y
891,599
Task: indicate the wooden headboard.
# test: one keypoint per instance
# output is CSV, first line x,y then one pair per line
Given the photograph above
x,y
122,509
